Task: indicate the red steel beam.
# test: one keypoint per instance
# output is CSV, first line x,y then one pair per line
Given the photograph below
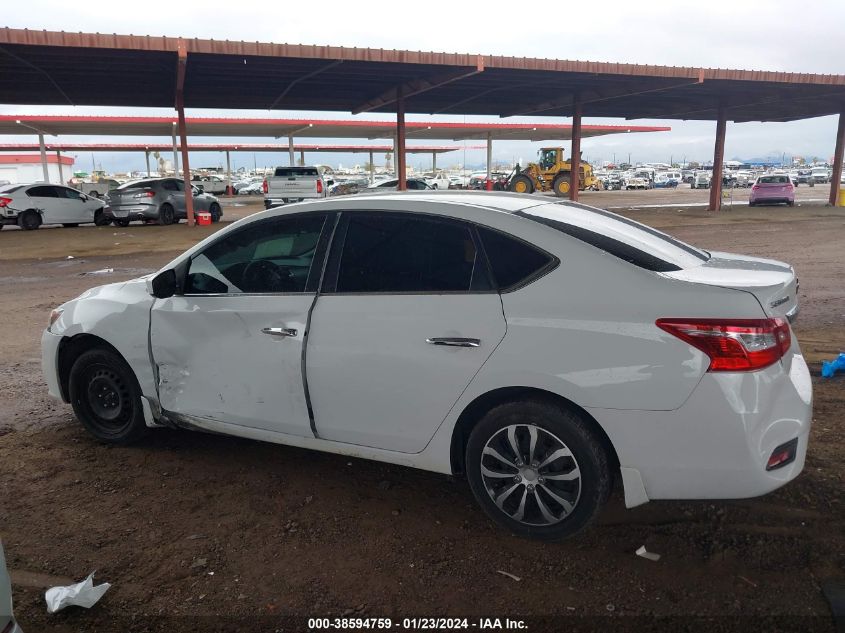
x,y
418,86
718,161
182,67
836,177
575,159
401,173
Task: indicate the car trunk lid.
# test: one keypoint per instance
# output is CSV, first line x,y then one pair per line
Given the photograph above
x,y
773,283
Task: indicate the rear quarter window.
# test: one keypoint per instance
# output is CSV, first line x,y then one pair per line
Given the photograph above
x,y
513,262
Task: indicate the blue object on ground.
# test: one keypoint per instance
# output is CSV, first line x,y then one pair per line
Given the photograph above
x,y
832,366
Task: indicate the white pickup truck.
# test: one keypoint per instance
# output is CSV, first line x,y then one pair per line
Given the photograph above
x,y
294,184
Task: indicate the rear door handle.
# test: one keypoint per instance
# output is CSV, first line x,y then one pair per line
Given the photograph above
x,y
279,331
454,342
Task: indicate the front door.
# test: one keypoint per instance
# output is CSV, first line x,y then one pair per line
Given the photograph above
x,y
406,319
229,348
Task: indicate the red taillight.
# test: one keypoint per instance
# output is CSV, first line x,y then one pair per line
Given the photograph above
x,y
150,193
319,186
755,187
734,344
4,201
264,187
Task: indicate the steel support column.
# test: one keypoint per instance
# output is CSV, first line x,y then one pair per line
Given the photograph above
x,y
434,162
61,171
291,153
186,168
44,168
718,161
401,172
836,176
489,154
147,160
372,169
575,159
175,153
302,158
228,176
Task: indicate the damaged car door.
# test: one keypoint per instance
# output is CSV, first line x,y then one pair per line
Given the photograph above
x,y
228,347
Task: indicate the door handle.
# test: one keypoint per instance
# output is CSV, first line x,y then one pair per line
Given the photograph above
x,y
454,342
279,331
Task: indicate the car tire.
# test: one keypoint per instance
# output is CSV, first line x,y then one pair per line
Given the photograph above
x,y
106,397
29,220
123,223
166,215
100,218
790,203
561,186
548,509
70,225
214,210
95,194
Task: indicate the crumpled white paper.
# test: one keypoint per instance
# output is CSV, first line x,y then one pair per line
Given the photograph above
x,y
82,594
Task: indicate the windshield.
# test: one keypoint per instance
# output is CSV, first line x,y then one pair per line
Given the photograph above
x,y
636,243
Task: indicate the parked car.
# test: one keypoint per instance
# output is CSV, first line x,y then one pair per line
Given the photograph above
x,y
664,181
458,182
411,183
252,189
437,181
209,184
772,188
8,624
820,175
156,199
637,182
294,184
701,180
613,181
539,348
30,206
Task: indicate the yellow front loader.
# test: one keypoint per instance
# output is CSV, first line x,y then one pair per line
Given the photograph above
x,y
551,173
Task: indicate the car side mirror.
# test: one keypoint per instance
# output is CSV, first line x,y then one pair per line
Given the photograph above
x,y
164,285
84,197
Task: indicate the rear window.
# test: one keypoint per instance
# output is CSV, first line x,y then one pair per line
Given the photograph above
x,y
626,239
773,180
289,172
138,184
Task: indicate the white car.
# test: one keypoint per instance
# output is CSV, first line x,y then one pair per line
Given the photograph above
x,y
541,348
437,181
30,206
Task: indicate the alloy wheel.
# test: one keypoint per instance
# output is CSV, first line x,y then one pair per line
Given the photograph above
x,y
531,475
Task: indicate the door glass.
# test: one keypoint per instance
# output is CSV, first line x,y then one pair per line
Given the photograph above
x,y
270,256
71,194
408,254
42,191
169,185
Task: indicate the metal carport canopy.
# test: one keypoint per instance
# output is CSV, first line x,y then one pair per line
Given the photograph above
x,y
227,147
300,128
59,68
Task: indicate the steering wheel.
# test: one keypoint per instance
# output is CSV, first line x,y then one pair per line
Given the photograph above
x,y
262,275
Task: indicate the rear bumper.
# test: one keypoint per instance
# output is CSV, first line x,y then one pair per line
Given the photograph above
x,y
717,444
131,212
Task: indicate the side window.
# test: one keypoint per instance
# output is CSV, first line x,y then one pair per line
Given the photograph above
x,y
169,185
270,256
511,260
179,184
71,194
42,191
407,253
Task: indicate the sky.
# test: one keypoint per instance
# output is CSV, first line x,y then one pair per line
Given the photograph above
x,y
772,35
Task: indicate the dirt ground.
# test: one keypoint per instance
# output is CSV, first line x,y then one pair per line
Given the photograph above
x,y
188,526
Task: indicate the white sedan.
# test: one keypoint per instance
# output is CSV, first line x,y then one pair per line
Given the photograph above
x,y
540,348
30,206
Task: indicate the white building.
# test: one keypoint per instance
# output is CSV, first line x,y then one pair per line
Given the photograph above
x,y
27,168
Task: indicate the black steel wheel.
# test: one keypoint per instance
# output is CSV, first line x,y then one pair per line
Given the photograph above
x,y
166,215
537,468
215,212
106,397
29,220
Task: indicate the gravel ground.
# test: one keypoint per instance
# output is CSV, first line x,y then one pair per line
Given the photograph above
x,y
187,525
